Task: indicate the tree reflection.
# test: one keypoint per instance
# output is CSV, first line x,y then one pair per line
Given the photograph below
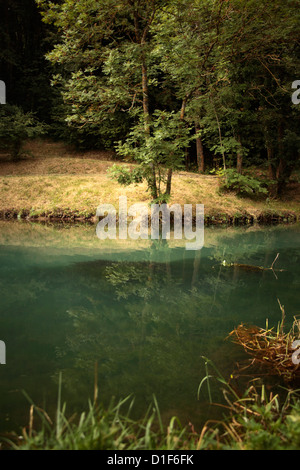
x,y
147,326
146,318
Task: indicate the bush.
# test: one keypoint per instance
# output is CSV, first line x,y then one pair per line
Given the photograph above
x,y
124,176
16,127
242,185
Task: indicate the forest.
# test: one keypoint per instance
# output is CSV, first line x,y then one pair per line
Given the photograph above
x,y
204,86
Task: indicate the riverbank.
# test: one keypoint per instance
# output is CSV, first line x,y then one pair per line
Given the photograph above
x,y
54,182
256,421
49,326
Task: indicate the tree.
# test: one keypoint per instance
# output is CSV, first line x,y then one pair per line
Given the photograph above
x,y
109,72
158,151
264,63
23,68
16,127
229,61
140,75
189,39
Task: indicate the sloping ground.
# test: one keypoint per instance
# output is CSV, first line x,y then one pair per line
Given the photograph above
x,y
57,181
53,166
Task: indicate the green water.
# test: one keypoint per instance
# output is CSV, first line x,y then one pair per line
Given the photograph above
x,y
145,313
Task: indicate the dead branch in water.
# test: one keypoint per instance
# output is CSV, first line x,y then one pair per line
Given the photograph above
x,y
250,267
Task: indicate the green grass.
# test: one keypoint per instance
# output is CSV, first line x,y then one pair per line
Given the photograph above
x,y
252,421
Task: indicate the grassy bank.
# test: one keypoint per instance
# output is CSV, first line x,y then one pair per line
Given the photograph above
x,y
55,182
254,416
254,420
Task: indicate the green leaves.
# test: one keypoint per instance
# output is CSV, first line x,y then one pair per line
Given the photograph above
x,y
161,149
243,185
163,146
125,176
17,126
127,68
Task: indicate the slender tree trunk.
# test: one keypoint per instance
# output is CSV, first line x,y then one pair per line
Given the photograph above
x,y
145,96
239,158
182,113
280,171
141,36
280,176
239,163
187,160
169,182
154,191
183,107
220,137
271,169
200,152
170,172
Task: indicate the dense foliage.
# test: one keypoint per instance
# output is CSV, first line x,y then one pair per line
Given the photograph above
x,y
168,83
243,185
16,127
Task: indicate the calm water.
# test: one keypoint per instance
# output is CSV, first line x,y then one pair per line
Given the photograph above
x,y
145,313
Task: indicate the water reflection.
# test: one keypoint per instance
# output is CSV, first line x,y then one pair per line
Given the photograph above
x,y
146,315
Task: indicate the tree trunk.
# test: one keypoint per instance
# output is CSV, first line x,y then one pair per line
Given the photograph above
x,y
147,120
200,152
280,171
141,36
170,172
281,177
145,96
239,158
187,160
239,163
220,137
183,107
169,182
271,169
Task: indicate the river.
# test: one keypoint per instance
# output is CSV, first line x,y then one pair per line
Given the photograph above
x,y
140,315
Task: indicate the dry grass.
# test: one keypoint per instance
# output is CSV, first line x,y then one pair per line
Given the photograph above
x,y
271,350
55,176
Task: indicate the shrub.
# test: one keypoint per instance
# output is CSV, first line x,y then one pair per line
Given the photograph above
x,y
124,176
243,185
15,127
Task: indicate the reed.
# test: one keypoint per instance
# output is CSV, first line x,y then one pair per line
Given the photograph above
x,y
98,428
253,421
